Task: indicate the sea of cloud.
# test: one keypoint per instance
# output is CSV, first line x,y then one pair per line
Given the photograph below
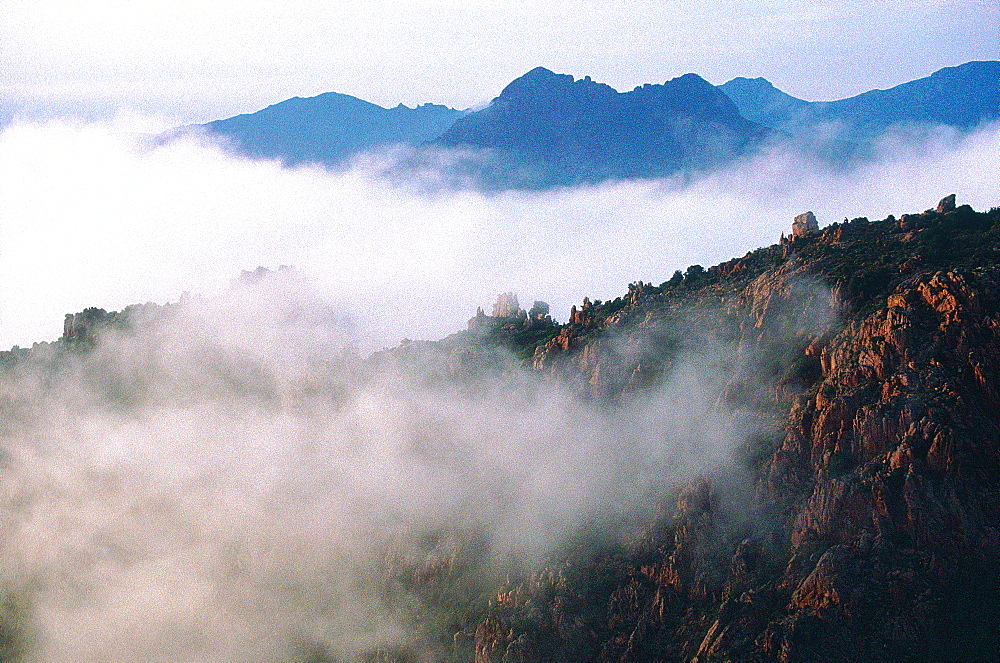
x,y
99,215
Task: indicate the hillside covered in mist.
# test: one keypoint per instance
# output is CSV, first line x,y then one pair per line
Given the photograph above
x,y
788,456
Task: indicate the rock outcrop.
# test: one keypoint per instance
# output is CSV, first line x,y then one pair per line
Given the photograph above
x,y
804,225
946,205
509,316
869,361
506,306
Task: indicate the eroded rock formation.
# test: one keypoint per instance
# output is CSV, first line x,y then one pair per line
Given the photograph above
x,y
804,224
871,357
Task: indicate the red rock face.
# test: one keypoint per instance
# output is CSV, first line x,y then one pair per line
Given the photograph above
x,y
875,527
899,445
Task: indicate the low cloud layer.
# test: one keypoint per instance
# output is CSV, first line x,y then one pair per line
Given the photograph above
x,y
95,216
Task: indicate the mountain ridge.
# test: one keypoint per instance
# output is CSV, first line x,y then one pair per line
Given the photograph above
x,y
567,131
864,363
546,129
855,518
330,128
962,97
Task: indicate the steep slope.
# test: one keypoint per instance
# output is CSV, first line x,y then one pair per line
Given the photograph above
x,y
330,128
962,97
858,519
851,374
548,128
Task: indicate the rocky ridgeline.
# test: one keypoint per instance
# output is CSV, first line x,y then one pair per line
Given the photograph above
x,y
868,355
509,316
858,519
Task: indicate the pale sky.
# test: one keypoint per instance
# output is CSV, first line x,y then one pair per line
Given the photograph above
x,y
196,61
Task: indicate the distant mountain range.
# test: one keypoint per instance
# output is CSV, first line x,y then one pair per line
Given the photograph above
x,y
961,97
330,128
548,129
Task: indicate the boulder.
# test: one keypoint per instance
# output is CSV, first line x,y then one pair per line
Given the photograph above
x,y
804,224
947,204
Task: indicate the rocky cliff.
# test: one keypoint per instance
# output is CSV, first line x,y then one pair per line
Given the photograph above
x,y
853,516
859,521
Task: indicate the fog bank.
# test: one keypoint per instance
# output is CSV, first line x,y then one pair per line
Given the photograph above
x,y
222,482
233,480
94,215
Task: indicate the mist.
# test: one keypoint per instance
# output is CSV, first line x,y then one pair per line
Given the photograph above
x,y
95,215
230,478
225,480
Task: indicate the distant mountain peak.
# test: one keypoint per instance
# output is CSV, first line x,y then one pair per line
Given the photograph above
x,y
688,79
759,83
546,129
973,67
963,97
536,78
541,80
541,73
330,128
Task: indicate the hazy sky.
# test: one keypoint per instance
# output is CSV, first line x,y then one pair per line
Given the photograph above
x,y
197,61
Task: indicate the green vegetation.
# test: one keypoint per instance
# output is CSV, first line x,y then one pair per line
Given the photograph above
x,y
873,258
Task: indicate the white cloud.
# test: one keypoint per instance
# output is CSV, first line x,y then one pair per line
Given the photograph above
x,y
224,490
199,492
94,216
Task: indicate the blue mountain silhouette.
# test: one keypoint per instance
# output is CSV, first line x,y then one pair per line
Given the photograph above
x,y
962,97
330,128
